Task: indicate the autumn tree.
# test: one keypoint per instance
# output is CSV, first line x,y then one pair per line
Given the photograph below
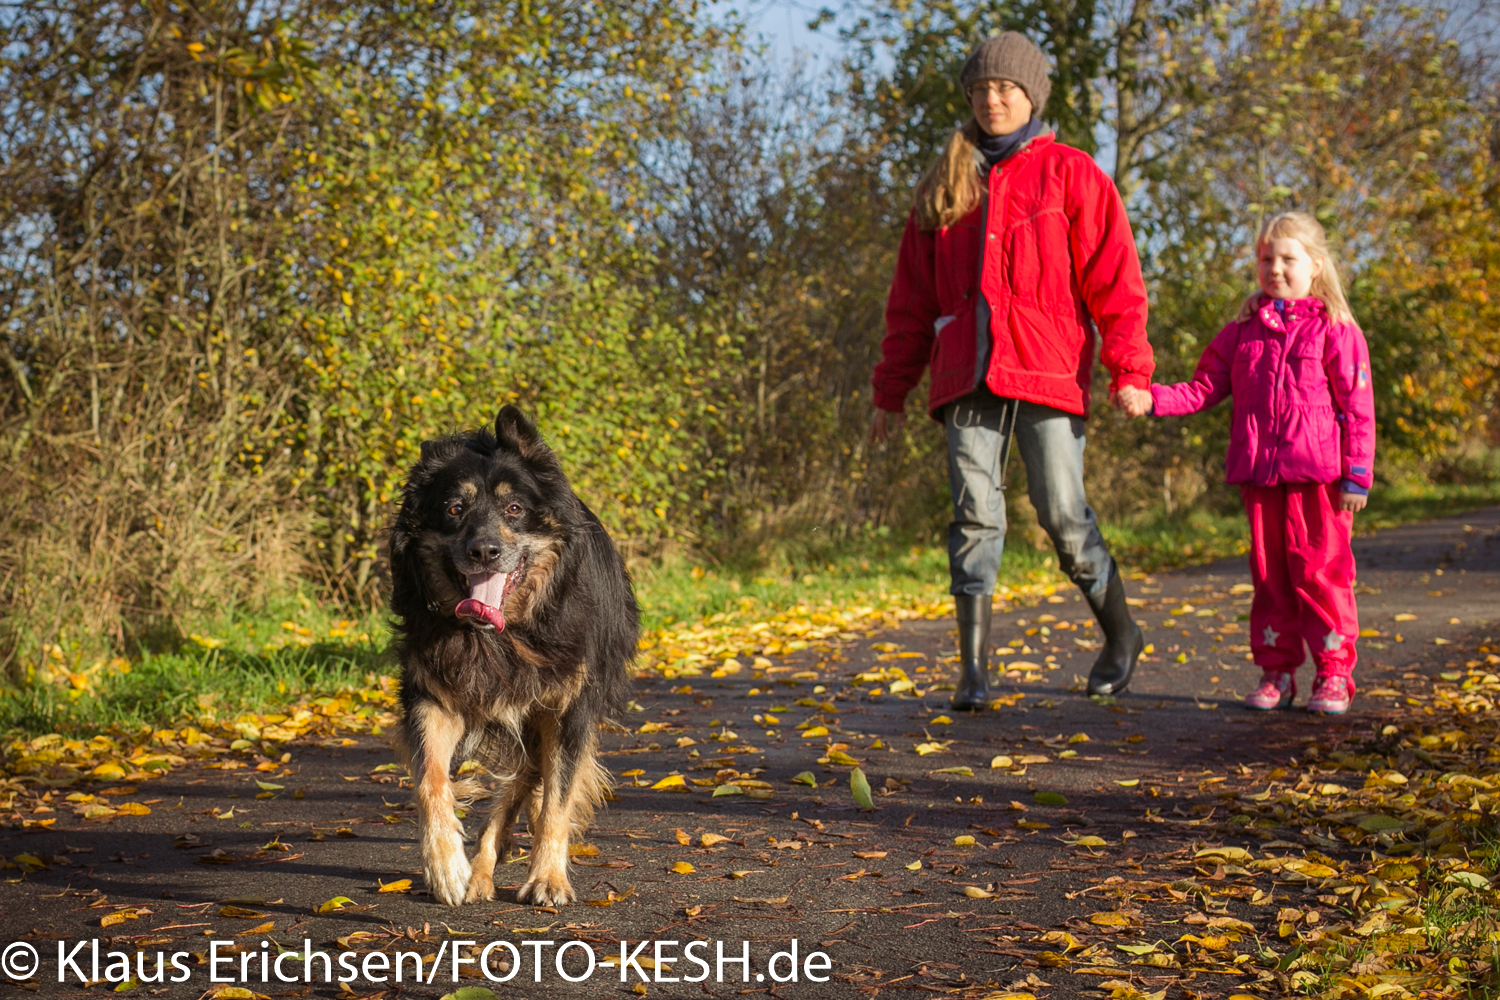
x,y
259,251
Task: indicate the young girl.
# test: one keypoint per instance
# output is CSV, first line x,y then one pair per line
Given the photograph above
x,y
1301,448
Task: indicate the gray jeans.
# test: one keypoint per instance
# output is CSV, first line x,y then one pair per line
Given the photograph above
x,y
1051,444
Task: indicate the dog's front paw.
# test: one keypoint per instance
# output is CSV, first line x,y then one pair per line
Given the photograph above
x,y
446,869
544,890
481,887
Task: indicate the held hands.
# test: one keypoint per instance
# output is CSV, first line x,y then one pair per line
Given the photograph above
x,y
885,423
1352,503
1133,402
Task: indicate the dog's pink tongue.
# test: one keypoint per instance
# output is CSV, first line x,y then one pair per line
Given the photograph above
x,y
486,594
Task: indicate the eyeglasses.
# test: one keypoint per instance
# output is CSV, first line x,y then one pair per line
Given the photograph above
x,y
997,88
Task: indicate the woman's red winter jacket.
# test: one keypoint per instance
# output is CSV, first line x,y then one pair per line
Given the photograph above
x,y
1052,251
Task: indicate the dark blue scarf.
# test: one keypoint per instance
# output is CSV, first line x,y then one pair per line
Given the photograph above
x,y
996,148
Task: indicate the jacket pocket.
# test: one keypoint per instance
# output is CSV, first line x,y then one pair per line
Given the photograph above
x,y
954,349
1244,443
1046,344
1038,253
1247,355
1311,444
1311,378
956,262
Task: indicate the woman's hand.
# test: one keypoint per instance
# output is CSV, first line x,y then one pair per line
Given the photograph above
x,y
1352,503
885,423
1133,402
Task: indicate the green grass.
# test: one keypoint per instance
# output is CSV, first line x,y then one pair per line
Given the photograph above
x,y
230,662
1199,536
681,592
239,661
168,688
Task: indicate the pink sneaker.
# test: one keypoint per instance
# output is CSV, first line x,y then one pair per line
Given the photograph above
x,y
1277,689
1331,694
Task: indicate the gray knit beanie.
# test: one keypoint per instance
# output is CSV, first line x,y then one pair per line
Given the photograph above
x,y
1011,56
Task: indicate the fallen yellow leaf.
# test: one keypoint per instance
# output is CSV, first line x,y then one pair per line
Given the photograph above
x,y
400,885
684,868
1068,941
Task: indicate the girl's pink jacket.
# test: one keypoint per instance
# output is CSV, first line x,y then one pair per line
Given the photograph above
x,y
1304,409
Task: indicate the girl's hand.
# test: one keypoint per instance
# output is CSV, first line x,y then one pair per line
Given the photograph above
x,y
1353,503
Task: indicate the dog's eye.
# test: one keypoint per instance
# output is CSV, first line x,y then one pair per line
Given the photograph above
x,y
513,510
455,509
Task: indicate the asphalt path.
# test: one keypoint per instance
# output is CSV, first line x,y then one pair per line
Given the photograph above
x,y
892,897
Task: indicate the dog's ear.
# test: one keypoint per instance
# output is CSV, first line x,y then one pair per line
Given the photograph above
x,y
515,433
431,450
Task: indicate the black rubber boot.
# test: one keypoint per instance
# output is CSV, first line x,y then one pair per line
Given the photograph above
x,y
1123,639
973,615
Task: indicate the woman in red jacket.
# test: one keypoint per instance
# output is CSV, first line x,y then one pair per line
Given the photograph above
x,y
1016,251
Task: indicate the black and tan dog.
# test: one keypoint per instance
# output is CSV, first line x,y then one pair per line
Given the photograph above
x,y
517,626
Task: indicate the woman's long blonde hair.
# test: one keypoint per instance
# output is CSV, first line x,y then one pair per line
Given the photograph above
x,y
952,186
1327,286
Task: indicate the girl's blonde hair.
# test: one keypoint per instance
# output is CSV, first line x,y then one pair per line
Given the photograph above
x,y
952,186
1327,286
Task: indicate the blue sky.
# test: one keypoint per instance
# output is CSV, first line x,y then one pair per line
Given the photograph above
x,y
782,25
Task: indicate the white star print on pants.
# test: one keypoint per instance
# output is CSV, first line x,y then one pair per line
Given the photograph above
x,y
1332,641
1270,635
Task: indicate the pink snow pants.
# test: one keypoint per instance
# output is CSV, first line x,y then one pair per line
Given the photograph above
x,y
1302,567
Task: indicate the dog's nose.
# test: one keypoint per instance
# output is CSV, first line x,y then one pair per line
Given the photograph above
x,y
484,551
